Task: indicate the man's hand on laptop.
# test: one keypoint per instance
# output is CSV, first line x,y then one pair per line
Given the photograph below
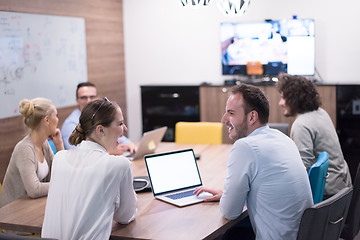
x,y
131,147
216,194
121,148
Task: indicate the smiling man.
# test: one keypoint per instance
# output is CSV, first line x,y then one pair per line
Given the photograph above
x,y
264,170
86,92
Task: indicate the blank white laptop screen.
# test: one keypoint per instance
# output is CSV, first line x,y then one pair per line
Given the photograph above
x,y
173,171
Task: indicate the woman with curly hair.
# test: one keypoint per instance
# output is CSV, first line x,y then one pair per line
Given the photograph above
x,y
28,171
313,131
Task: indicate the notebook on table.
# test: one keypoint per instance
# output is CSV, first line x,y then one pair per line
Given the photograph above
x,y
148,143
174,177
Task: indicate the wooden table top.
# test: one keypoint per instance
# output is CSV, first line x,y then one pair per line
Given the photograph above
x,y
155,219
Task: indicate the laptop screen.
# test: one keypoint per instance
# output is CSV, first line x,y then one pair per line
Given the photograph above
x,y
172,171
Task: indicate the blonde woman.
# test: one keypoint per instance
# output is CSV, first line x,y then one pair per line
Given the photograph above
x,y
28,171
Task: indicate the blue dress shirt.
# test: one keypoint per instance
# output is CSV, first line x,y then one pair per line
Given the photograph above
x,y
265,171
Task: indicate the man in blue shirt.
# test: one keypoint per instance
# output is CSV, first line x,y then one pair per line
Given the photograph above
x,y
86,92
265,171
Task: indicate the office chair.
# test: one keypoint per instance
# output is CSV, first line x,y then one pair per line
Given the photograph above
x,y
352,223
52,145
0,194
317,176
5,236
282,127
198,132
325,220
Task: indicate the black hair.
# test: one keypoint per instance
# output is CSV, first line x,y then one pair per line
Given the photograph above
x,y
254,99
84,84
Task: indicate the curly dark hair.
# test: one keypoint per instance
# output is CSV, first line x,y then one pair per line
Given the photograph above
x,y
299,93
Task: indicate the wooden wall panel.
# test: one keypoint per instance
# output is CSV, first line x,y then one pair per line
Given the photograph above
x,y
276,112
328,100
105,56
212,106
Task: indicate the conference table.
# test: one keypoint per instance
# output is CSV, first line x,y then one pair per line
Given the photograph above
x,y
155,219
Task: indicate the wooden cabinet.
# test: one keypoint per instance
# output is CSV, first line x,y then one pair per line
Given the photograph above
x,y
213,101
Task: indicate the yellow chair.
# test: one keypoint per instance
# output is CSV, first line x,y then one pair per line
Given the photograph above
x,y
198,132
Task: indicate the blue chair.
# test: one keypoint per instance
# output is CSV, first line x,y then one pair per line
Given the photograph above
x,y
52,145
317,176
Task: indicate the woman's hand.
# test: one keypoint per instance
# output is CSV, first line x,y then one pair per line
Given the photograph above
x,y
57,139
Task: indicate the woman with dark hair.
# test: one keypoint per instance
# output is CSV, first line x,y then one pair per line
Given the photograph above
x,y
313,131
89,187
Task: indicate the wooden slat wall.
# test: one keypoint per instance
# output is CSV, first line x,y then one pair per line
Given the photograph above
x,y
105,56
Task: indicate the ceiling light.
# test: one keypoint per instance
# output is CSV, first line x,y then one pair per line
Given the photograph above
x,y
233,7
194,3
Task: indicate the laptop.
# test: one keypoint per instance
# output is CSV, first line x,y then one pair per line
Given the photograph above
x,y
148,143
174,177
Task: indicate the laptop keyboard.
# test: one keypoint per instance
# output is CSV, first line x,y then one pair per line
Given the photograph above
x,y
179,195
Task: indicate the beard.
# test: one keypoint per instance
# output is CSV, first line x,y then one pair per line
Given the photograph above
x,y
241,130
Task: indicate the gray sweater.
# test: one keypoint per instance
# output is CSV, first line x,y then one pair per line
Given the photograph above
x,y
313,132
21,175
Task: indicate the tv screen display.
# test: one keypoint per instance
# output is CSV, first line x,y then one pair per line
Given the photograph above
x,y
274,46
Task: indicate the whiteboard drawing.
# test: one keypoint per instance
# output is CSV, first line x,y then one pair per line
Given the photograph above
x,y
40,56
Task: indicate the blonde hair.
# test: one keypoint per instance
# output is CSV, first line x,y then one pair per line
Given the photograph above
x,y
35,110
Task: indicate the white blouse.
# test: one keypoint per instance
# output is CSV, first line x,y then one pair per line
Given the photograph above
x,y
88,190
43,170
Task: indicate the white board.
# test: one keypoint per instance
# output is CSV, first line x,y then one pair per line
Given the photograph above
x,y
40,56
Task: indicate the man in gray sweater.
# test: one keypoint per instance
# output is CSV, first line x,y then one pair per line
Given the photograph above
x,y
313,131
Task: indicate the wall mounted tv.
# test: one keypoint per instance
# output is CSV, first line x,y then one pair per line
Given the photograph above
x,y
276,46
